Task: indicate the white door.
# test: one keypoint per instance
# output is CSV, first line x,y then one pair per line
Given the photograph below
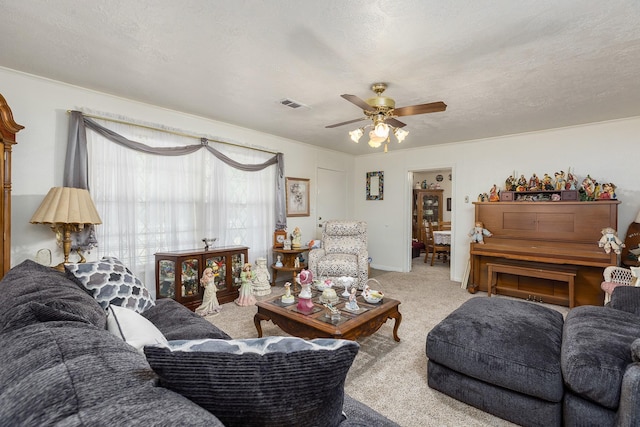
x,y
331,197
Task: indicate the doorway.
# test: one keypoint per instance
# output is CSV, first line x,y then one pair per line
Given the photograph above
x,y
430,179
331,193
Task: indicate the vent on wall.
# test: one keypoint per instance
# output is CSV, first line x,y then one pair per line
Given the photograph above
x,y
292,104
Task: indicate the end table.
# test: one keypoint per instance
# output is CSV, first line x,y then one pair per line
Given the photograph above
x,y
288,263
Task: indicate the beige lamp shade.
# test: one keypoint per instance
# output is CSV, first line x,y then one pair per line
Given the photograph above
x,y
66,205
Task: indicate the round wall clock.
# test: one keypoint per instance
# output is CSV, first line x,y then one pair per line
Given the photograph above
x,y
439,178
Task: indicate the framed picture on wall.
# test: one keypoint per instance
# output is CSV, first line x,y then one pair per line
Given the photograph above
x,y
297,196
375,185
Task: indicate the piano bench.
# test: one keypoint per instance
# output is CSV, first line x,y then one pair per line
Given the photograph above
x,y
541,273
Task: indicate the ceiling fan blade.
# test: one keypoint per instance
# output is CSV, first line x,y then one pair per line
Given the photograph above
x,y
432,107
395,123
346,123
357,101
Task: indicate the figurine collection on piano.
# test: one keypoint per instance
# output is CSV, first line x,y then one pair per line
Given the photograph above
x,y
550,188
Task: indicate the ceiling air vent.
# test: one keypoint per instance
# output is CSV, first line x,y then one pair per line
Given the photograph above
x,y
292,104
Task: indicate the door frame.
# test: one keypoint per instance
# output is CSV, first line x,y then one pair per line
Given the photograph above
x,y
409,212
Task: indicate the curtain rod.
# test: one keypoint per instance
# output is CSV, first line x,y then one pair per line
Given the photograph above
x,y
187,135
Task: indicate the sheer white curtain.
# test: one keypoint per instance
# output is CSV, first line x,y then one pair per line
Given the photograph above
x,y
150,203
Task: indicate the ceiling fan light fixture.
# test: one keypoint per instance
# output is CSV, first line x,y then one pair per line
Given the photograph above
x,y
374,140
356,134
381,129
400,134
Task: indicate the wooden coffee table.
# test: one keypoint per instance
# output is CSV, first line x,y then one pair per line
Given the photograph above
x,y
351,326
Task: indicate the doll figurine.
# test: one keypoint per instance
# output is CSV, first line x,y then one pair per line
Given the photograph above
x,y
261,284
610,240
246,296
296,237
352,305
478,232
210,305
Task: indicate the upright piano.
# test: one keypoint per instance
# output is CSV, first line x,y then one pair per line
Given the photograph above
x,y
560,236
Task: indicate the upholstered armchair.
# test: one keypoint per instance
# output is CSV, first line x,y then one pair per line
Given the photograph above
x,y
343,252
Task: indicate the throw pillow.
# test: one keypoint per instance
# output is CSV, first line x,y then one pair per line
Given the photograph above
x,y
134,329
282,381
111,282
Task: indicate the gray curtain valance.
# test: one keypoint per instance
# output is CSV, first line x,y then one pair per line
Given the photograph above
x,y
76,161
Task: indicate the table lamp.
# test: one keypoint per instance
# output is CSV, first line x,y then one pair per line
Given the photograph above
x,y
67,210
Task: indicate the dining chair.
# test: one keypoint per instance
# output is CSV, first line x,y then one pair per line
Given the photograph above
x,y
428,240
438,249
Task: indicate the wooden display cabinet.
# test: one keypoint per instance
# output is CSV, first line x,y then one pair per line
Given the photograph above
x,y
427,208
178,273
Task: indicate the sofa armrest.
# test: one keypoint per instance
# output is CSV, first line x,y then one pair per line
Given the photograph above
x,y
314,257
626,298
629,409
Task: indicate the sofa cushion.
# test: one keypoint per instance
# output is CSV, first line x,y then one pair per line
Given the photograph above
x,y
281,381
62,372
626,298
111,282
132,328
507,343
596,351
176,322
32,282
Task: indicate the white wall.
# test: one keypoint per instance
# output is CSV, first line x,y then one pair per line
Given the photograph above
x,y
41,105
608,151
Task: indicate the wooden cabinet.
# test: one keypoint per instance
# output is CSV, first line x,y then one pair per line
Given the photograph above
x,y
555,237
427,208
8,130
288,259
178,273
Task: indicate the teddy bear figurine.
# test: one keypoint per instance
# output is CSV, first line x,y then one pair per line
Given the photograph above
x,y
610,240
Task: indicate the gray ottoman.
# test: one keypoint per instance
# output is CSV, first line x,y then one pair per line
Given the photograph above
x,y
501,356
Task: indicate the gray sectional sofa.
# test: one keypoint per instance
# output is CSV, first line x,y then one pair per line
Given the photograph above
x,y
523,362
61,366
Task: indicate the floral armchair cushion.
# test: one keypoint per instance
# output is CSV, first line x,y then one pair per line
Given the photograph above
x,y
343,253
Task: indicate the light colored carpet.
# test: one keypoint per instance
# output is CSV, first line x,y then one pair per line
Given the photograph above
x,y
388,376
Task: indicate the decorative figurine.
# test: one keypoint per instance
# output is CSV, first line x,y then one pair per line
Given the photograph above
x,y
494,194
352,305
279,261
296,262
589,188
261,284
287,244
510,184
572,182
608,191
478,232
246,298
210,305
522,184
296,237
610,240
287,298
560,180
547,183
534,183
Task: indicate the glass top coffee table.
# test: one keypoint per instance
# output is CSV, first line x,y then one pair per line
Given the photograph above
x,y
316,323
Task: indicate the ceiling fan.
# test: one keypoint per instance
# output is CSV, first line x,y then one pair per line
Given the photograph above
x,y
382,112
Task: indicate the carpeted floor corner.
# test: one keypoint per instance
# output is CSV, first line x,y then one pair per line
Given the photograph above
x,y
388,376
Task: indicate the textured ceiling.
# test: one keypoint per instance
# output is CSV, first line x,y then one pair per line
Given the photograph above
x,y
501,66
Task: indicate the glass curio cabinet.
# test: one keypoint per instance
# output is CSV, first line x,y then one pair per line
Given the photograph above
x,y
178,273
427,209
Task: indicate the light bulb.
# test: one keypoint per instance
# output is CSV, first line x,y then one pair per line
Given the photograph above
x,y
375,141
382,130
356,134
400,134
